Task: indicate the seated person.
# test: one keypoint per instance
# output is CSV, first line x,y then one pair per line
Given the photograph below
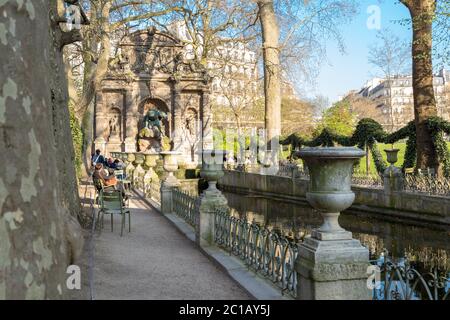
x,y
109,180
110,163
100,174
118,164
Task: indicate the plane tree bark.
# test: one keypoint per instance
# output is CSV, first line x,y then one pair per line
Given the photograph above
x,y
39,234
422,14
271,59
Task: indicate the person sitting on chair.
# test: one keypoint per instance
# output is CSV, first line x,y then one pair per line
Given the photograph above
x,y
107,180
97,158
118,164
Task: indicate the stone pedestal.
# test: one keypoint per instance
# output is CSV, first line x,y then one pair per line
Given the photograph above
x,y
332,270
392,176
330,264
209,202
130,145
114,145
166,197
212,198
171,182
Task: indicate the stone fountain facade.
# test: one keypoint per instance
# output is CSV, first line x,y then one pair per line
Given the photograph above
x,y
150,72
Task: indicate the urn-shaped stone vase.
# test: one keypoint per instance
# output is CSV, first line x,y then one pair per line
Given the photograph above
x,y
392,176
392,155
130,157
330,264
150,159
170,164
212,168
150,163
330,191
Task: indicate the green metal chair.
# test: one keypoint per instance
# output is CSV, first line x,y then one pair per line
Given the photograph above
x,y
119,174
112,203
99,187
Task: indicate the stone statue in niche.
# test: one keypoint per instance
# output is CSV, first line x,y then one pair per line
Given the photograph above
x,y
191,122
152,136
117,64
114,127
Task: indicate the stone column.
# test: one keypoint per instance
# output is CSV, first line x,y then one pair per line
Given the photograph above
x,y
207,132
212,198
330,264
131,116
131,131
176,133
101,123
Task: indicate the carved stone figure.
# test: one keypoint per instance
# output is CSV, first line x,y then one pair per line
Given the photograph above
x,y
114,127
152,135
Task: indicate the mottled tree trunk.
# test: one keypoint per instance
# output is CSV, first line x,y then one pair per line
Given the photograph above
x,y
422,14
271,56
94,73
39,236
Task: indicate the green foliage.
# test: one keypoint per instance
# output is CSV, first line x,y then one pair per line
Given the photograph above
x,y
437,127
337,120
77,138
230,141
368,132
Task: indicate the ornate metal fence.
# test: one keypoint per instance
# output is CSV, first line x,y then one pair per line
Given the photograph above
x,y
287,170
402,281
185,206
365,180
428,184
262,250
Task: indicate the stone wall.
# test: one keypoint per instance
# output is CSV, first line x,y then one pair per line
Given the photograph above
x,y
396,206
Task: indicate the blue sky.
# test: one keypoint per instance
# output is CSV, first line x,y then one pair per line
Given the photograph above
x,y
340,72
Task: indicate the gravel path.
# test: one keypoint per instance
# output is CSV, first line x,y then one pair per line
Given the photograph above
x,y
155,261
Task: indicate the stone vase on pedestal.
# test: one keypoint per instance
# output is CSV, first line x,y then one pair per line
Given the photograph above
x,y
211,198
330,263
170,164
392,176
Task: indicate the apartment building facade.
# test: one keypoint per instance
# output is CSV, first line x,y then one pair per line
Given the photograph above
x,y
395,102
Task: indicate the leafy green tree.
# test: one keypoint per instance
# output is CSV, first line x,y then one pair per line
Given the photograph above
x,y
338,119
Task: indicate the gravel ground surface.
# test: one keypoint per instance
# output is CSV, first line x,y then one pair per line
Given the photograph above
x,y
155,261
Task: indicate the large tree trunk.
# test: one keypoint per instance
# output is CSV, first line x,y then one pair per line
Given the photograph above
x,y
39,236
422,13
272,92
94,72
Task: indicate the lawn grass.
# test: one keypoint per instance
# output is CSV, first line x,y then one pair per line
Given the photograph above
x,y
382,147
